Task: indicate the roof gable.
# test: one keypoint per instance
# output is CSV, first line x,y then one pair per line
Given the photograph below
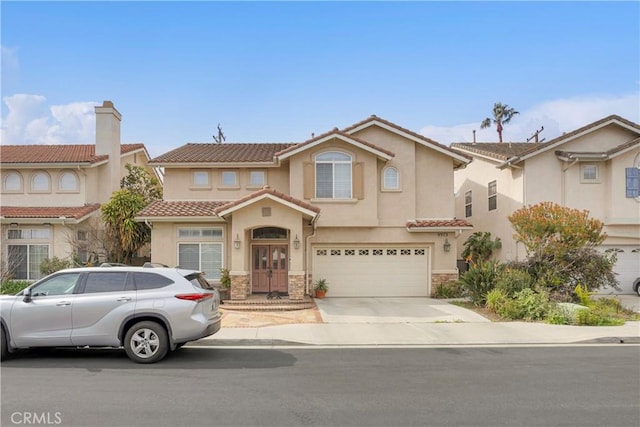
x,y
459,158
268,193
342,136
51,214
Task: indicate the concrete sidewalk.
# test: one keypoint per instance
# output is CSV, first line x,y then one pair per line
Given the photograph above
x,y
407,321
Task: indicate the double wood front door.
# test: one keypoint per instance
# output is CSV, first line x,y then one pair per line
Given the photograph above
x,y
270,267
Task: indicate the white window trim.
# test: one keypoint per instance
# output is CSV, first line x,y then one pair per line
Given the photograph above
x,y
221,229
383,186
489,196
470,204
595,180
333,180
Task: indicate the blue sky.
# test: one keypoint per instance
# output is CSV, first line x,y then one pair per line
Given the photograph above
x,y
278,71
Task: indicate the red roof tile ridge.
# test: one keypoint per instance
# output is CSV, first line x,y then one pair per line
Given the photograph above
x,y
267,190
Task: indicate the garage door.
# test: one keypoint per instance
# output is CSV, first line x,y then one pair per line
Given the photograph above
x,y
373,271
627,267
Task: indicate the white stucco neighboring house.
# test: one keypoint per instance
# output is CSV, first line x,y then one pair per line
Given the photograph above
x,y
592,168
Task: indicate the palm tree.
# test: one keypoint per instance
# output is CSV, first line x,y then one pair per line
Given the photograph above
x,y
502,114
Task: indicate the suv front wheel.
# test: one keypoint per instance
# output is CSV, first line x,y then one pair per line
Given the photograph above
x,y
146,342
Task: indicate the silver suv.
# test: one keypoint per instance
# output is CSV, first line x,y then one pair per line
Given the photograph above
x,y
146,310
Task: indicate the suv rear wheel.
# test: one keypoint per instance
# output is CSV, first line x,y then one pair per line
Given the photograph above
x,y
146,342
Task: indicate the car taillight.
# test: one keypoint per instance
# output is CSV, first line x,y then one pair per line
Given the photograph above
x,y
194,297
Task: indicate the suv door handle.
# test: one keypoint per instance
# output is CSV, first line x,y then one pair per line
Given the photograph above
x,y
124,299
63,303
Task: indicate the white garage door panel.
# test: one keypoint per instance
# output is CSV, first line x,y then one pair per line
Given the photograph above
x,y
373,271
627,267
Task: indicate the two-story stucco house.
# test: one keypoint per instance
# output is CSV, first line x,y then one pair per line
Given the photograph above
x,y
51,195
369,208
594,167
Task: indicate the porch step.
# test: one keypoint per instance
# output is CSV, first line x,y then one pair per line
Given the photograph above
x,y
261,303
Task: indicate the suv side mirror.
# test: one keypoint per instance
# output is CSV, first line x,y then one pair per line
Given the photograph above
x,y
27,295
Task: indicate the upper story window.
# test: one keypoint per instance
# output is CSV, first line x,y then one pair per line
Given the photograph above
x,y
390,179
12,182
493,195
257,178
68,182
40,182
333,175
201,179
632,180
589,173
467,204
229,179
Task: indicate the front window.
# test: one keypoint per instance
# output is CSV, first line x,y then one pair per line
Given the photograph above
x,y
204,257
62,284
12,182
23,261
257,179
68,182
467,204
40,182
333,176
493,196
589,173
229,179
391,179
201,179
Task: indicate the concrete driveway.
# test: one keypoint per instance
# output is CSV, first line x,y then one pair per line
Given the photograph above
x,y
393,310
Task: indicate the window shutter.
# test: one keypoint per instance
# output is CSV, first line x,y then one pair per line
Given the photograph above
x,y
633,182
358,181
309,180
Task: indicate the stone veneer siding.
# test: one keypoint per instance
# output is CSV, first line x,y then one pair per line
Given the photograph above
x,y
439,278
296,287
239,287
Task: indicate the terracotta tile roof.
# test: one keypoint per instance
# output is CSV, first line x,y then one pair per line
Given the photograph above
x,y
272,192
163,208
405,130
76,153
335,131
436,223
222,153
496,150
48,212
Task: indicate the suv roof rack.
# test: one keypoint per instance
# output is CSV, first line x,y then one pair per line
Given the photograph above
x,y
153,265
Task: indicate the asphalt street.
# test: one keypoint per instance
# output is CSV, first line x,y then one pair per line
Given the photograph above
x,y
451,386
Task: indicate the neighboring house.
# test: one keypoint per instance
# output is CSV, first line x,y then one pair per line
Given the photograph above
x,y
51,195
369,208
593,168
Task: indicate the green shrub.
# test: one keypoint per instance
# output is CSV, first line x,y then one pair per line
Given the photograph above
x,y
559,315
51,265
479,280
513,280
525,304
451,289
596,317
496,300
12,287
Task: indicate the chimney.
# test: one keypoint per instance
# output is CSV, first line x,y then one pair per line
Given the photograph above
x,y
108,143
474,137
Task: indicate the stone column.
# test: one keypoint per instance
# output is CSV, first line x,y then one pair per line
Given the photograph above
x,y
239,286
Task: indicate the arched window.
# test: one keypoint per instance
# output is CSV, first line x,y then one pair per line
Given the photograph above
x,y
333,175
40,182
390,179
12,182
68,181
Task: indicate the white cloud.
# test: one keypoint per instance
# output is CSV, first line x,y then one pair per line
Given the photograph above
x,y
31,121
9,59
557,116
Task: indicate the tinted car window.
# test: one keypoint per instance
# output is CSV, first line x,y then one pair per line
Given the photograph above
x,y
62,284
105,282
197,279
150,281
